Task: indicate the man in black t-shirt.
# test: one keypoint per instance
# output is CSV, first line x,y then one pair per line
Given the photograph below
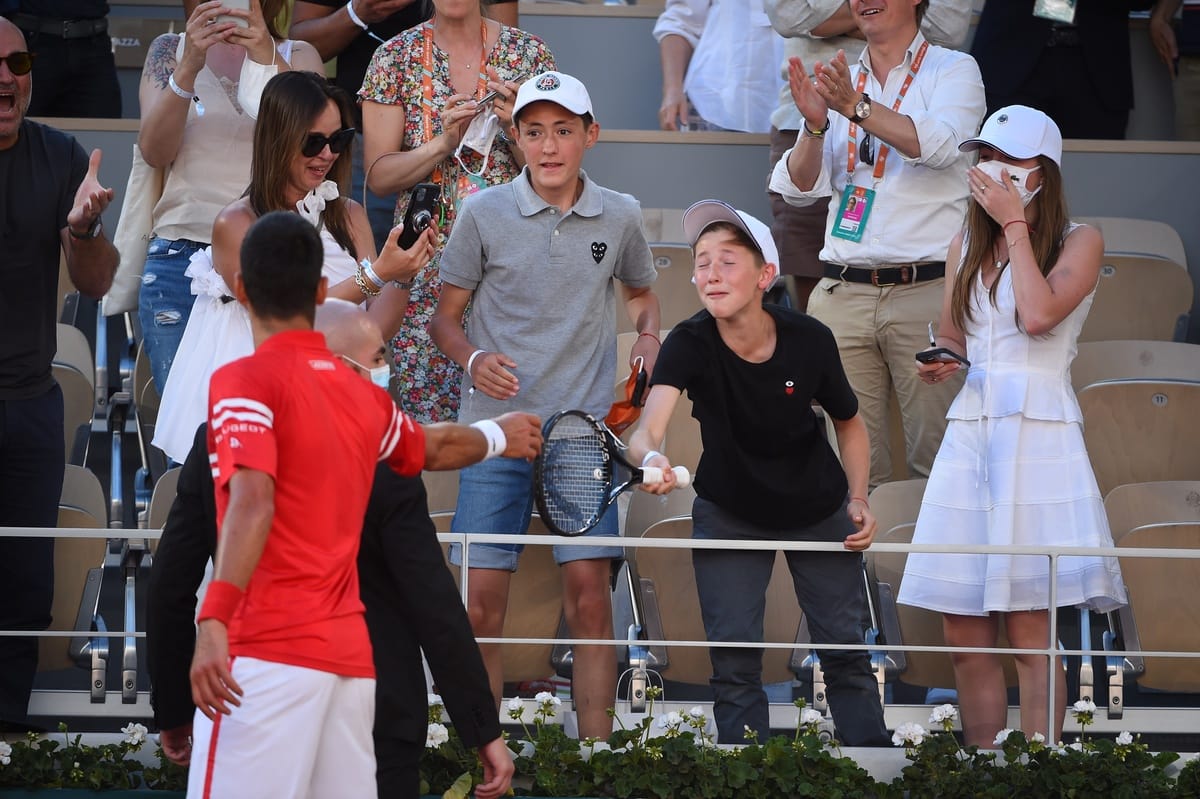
x,y
51,202
767,473
351,32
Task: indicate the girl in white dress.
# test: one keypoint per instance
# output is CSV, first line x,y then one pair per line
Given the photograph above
x,y
1012,468
304,124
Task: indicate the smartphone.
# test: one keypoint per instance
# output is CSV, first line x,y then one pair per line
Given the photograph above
x,y
421,211
243,5
942,355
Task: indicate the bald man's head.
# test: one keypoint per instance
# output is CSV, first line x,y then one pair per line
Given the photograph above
x,y
351,333
15,90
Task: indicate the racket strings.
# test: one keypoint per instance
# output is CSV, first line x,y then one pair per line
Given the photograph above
x,y
576,475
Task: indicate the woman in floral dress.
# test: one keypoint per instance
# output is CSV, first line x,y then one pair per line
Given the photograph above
x,y
419,98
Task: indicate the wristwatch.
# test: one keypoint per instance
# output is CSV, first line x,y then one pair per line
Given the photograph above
x,y
93,231
862,109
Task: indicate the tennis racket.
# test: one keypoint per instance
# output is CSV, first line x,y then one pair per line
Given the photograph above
x,y
582,469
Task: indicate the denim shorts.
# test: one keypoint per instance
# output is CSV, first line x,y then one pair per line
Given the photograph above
x,y
165,302
496,496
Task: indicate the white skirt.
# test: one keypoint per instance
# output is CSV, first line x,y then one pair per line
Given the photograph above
x,y
1016,481
217,332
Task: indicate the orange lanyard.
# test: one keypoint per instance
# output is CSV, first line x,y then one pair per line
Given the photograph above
x,y
852,147
427,86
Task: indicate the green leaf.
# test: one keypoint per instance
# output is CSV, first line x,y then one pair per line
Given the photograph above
x,y
460,788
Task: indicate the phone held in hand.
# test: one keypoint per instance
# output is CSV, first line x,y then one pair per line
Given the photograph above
x,y
242,5
942,355
422,210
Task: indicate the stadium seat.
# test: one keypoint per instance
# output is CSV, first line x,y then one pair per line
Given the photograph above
x,y
1126,236
77,563
78,403
1160,616
676,293
145,393
663,225
73,350
1124,360
534,606
1138,297
1139,431
441,491
162,499
646,509
670,607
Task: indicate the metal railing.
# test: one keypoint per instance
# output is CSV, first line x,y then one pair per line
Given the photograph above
x,y
1053,554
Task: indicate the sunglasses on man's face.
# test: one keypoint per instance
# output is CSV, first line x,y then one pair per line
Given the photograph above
x,y
314,143
18,63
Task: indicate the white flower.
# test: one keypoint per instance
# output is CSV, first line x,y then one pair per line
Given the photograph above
x,y
5,753
544,697
1002,736
810,716
1038,738
591,747
908,734
943,713
515,705
1077,746
670,721
1083,706
527,749
1124,739
435,701
134,733
436,735
697,712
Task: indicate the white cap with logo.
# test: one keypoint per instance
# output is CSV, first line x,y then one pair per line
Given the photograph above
x,y
706,213
554,87
1019,131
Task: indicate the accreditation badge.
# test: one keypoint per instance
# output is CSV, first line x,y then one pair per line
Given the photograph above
x,y
853,213
1056,10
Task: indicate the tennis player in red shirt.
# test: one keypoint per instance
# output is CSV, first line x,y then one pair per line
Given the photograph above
x,y
294,436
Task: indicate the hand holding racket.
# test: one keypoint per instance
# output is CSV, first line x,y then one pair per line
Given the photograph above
x,y
582,470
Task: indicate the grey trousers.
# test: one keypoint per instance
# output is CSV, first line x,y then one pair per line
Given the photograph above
x,y
829,587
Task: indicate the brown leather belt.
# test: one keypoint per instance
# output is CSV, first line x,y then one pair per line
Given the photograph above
x,y
63,28
887,274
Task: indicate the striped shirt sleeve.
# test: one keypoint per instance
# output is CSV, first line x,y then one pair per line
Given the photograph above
x,y
241,426
403,443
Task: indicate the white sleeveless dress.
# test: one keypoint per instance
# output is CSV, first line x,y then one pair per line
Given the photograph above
x,y
1012,469
217,332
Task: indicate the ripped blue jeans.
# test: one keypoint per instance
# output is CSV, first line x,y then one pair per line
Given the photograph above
x,y
165,302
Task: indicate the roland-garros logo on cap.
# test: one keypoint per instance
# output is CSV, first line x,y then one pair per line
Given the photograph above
x,y
1002,119
547,83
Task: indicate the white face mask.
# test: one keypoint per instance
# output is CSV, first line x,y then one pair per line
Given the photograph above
x,y
479,136
251,82
380,375
1017,174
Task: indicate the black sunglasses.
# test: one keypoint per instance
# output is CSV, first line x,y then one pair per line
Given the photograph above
x,y
18,63
866,151
314,143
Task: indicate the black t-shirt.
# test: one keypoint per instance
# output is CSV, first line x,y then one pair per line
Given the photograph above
x,y
38,177
765,460
354,60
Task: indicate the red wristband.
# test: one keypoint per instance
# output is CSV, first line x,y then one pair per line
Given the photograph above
x,y
221,601
860,499
651,335
1016,222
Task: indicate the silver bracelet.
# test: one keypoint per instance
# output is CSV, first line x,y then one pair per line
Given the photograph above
x,y
374,278
354,17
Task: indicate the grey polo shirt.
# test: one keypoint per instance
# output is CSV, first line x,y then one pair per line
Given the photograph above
x,y
543,291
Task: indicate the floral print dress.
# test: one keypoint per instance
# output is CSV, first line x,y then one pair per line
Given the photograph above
x,y
427,381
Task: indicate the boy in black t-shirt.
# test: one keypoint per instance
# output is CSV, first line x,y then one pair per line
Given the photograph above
x,y
752,372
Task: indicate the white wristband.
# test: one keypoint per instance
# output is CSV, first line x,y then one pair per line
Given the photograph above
x,y
471,360
371,275
354,17
184,93
496,440
651,454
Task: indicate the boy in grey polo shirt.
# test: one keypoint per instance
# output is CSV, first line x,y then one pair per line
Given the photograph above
x,y
537,257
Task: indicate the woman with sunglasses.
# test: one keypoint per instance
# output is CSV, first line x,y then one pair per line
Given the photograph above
x,y
197,94
304,128
422,123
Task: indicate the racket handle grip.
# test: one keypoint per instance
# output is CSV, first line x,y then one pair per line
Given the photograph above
x,y
652,475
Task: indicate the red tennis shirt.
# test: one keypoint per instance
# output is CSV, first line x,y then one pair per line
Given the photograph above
x,y
294,411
